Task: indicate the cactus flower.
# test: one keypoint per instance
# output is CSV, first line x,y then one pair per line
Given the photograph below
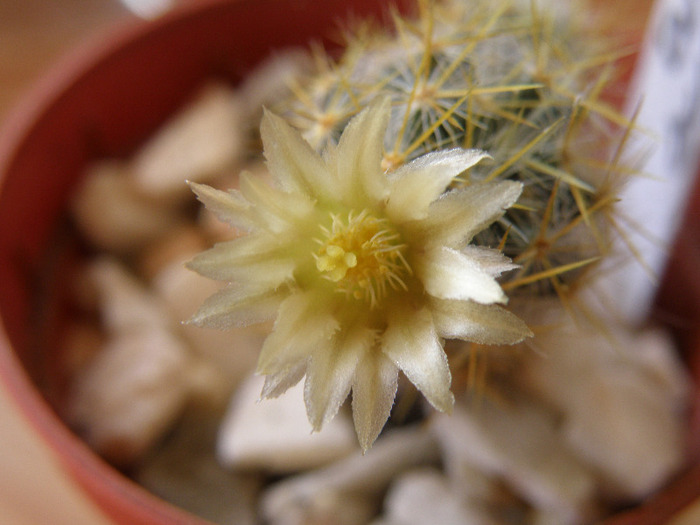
x,y
365,273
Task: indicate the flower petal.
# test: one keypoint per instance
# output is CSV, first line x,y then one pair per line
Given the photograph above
x,y
491,261
257,258
373,392
228,206
302,327
275,210
330,373
292,161
237,306
415,185
359,155
450,274
459,215
412,343
278,383
484,324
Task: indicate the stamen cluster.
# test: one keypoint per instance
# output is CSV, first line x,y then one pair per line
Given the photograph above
x,y
363,255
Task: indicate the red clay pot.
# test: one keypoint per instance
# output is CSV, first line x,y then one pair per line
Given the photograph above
x,y
101,103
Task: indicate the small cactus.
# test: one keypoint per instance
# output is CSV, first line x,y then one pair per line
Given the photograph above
x,y
524,85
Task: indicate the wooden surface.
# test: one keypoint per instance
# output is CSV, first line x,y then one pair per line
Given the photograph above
x,y
34,34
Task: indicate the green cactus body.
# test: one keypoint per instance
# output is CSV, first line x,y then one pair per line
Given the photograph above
x,y
502,77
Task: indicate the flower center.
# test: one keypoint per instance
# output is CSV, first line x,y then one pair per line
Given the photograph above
x,y
363,255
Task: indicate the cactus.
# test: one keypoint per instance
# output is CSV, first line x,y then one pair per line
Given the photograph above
x,y
523,84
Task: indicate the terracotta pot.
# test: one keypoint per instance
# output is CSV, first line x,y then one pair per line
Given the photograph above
x,y
104,103
101,103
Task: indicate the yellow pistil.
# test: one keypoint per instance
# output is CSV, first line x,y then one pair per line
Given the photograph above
x,y
363,255
336,262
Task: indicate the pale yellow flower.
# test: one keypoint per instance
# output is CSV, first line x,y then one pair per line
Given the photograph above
x,y
365,272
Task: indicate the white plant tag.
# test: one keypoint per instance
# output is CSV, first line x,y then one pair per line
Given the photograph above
x,y
667,83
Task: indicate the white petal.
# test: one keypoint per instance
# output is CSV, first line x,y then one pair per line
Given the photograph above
x,y
237,306
229,207
415,185
278,383
459,215
302,327
360,151
491,261
484,324
412,343
330,373
274,209
373,392
259,259
292,161
449,274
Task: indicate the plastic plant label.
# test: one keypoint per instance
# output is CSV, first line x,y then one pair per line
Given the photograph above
x,y
667,84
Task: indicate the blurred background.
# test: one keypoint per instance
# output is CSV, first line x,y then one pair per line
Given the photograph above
x,y
34,34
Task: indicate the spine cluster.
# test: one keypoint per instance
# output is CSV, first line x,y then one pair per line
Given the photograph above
x,y
523,84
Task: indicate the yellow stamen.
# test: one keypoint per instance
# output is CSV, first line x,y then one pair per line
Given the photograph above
x,y
363,255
